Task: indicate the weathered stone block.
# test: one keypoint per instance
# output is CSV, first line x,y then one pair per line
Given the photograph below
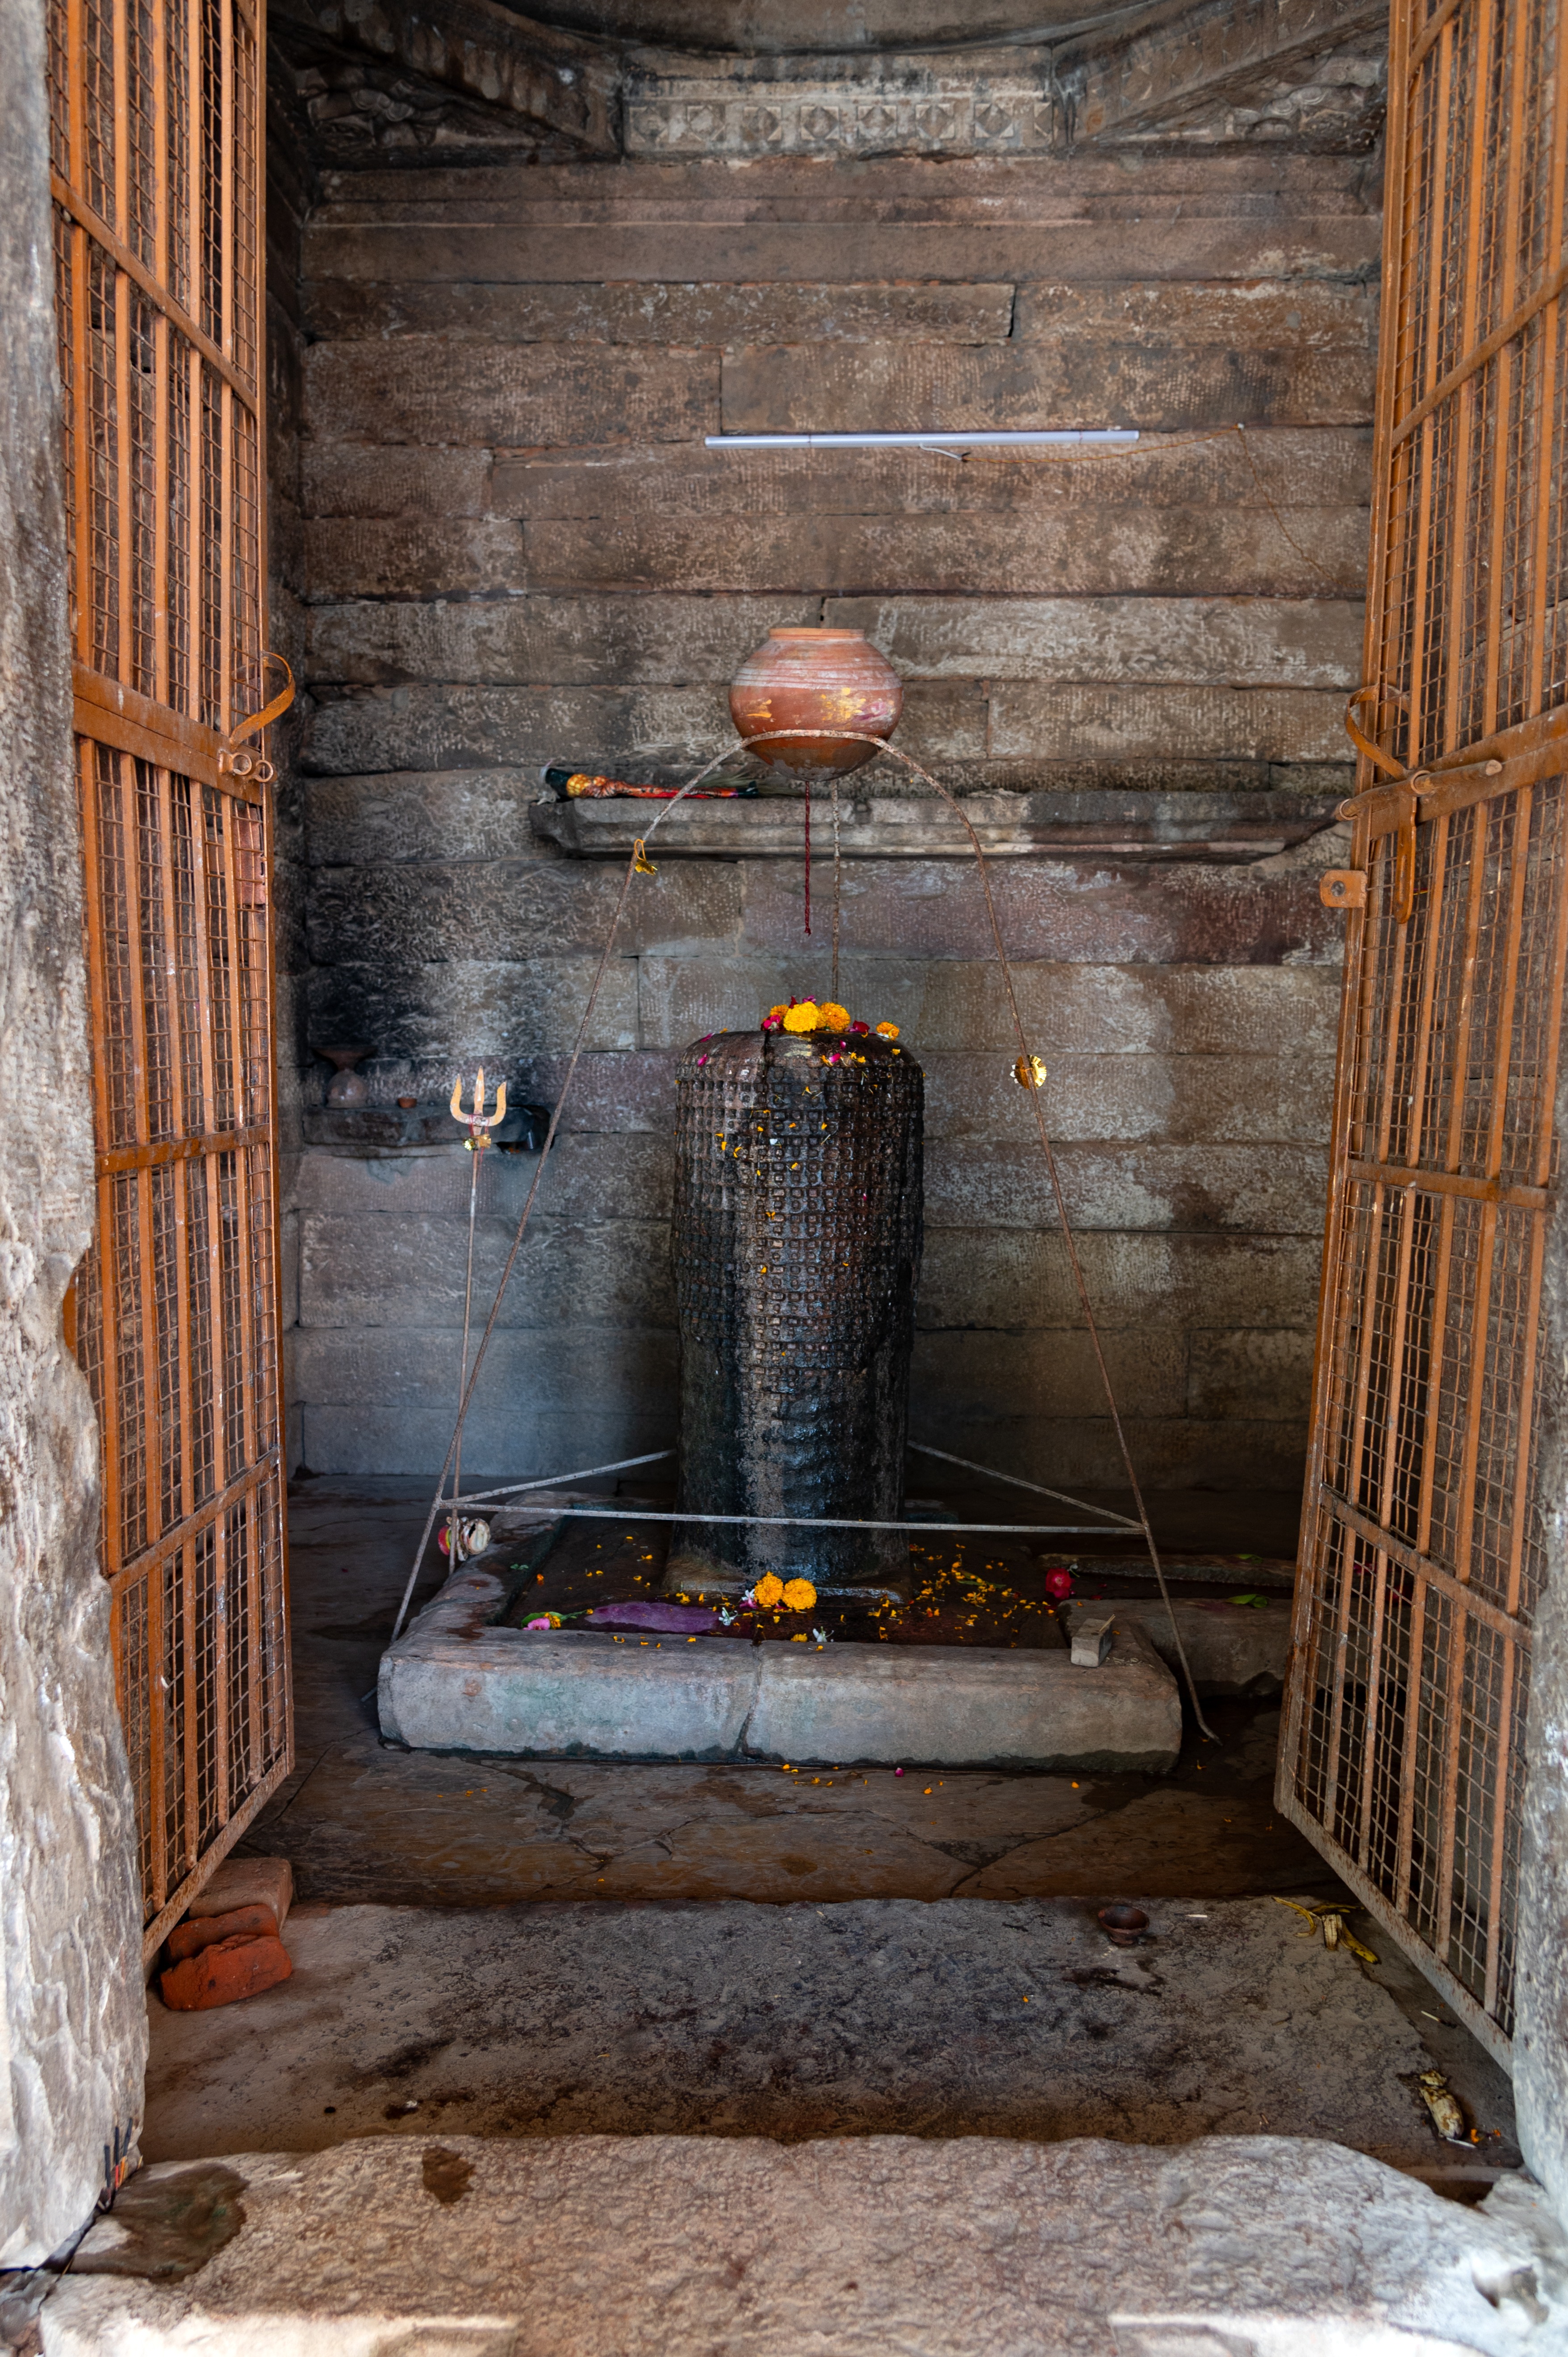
x,y
1270,239
1088,908
431,726
1254,724
504,1438
1256,1371
1282,1192
245,1882
1054,1374
904,388
1317,466
411,556
393,916
475,1010
1244,641
352,479
386,1280
456,1680
410,388
935,312
1265,314
1232,1650
1232,1100
418,814
1034,1709
1077,1452
1018,1278
1215,552
565,641
1088,1009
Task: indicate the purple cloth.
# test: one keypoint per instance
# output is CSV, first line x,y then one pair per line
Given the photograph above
x,y
687,1619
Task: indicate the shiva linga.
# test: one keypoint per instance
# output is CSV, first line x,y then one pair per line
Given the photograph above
x,y
797,1252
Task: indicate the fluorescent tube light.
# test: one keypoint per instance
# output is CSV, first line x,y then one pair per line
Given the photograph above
x,y
1102,437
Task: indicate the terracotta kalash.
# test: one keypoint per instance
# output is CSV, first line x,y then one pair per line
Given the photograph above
x,y
815,679
797,1252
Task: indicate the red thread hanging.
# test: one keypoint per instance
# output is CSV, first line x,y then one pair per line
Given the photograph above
x,y
808,858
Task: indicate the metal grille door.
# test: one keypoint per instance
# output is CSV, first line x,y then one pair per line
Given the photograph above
x,y
1421,1562
156,146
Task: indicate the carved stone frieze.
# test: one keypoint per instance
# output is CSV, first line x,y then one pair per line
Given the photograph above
x,y
1217,73
898,106
555,81
1211,57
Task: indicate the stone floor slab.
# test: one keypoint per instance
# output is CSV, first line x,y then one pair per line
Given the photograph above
x,y
600,2246
951,2018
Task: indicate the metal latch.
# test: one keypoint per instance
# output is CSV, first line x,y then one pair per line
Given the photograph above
x,y
1343,888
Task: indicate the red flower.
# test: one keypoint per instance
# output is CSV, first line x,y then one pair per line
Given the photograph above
x,y
860,1026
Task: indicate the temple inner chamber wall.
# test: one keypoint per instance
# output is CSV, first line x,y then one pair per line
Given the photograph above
x,y
497,541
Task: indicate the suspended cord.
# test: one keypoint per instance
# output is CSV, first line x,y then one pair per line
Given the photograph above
x,y
637,861
1056,1191
833,991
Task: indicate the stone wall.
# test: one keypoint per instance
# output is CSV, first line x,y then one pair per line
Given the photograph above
x,y
72,2019
515,548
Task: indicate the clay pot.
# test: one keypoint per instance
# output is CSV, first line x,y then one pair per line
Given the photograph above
x,y
815,679
347,1088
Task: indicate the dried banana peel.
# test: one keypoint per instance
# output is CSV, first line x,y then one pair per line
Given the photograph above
x,y
1335,1932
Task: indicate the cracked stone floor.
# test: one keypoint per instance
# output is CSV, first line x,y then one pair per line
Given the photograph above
x,y
494,1947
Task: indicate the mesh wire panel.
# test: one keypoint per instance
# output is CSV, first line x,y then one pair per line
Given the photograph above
x,y
1423,1567
156,137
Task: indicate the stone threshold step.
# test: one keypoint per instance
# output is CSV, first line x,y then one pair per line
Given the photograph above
x,y
457,1681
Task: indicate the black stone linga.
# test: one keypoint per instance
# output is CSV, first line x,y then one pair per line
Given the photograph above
x,y
796,1251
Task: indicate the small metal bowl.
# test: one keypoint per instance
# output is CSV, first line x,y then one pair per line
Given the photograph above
x,y
1123,1926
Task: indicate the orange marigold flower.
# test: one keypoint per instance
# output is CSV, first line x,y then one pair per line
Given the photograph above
x,y
832,1018
888,1030
802,1018
776,1015
799,1595
769,1589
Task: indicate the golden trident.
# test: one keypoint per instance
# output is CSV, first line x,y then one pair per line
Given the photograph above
x,y
479,1121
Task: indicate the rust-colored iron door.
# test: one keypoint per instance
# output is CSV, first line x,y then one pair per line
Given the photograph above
x,y
157,150
1422,1564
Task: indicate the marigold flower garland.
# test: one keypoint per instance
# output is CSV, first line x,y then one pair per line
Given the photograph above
x,y
805,1015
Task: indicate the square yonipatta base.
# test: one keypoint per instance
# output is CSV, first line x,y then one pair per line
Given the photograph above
x,y
460,1680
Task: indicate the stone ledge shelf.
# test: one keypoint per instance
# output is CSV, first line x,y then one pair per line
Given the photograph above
x,y
1100,825
457,1681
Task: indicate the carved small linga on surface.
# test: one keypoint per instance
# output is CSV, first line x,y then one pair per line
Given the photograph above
x,y
797,1249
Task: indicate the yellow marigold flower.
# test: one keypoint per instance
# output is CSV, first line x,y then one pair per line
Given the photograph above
x,y
888,1030
802,1018
831,1017
769,1588
799,1595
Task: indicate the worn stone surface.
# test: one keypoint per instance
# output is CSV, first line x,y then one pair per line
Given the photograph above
x,y
948,2018
72,2038
1231,1649
1540,2039
456,1680
1262,2246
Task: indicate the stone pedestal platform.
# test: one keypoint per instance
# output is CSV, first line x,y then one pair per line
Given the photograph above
x,y
457,1680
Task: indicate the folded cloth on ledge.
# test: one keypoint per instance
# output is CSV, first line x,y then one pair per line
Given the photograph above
x,y
683,1619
